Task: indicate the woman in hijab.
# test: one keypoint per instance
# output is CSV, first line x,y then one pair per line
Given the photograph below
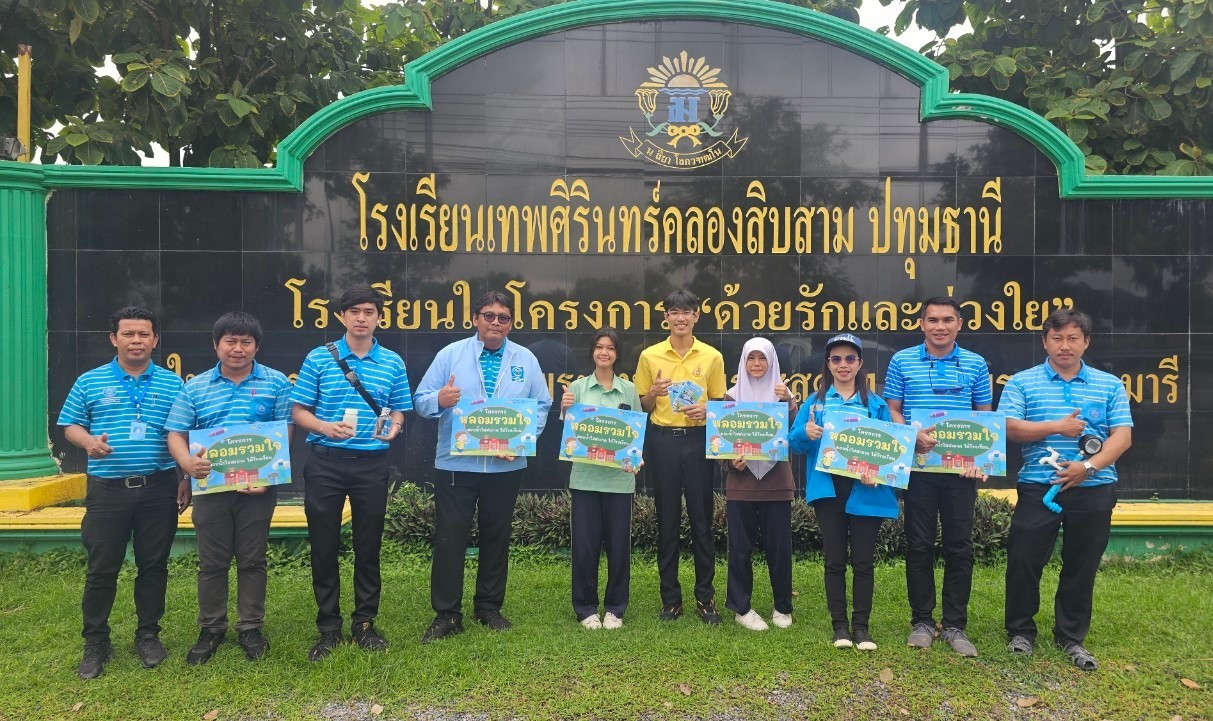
x,y
758,496
849,514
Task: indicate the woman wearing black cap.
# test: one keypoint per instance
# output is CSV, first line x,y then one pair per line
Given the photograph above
x,y
846,510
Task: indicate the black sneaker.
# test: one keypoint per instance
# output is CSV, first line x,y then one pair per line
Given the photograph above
x,y
254,643
367,638
842,637
151,652
708,613
205,647
862,639
96,655
670,612
329,640
442,627
493,619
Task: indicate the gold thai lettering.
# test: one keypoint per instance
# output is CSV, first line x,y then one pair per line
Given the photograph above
x,y
568,220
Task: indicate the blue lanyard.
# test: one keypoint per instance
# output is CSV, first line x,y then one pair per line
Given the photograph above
x,y
132,386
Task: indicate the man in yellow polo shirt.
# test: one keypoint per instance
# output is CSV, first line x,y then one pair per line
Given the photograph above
x,y
674,450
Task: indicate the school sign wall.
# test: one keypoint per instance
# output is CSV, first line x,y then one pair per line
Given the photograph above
x,y
801,174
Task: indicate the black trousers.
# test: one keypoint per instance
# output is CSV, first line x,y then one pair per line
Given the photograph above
x,y
841,531
457,497
677,465
330,476
948,500
113,514
601,522
747,521
232,525
1087,518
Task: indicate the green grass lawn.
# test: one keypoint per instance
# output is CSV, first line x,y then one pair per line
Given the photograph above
x,y
1153,627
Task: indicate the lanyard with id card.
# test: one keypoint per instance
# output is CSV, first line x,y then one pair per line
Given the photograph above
x,y
138,430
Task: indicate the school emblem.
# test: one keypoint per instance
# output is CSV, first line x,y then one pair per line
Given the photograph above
x,y
689,101
517,374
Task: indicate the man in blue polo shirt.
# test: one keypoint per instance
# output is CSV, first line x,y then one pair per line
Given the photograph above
x,y
1062,405
116,413
348,460
485,365
230,524
938,375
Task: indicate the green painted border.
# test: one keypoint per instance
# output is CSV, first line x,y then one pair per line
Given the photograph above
x,y
937,102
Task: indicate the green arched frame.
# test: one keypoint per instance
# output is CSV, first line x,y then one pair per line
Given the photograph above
x,y
24,187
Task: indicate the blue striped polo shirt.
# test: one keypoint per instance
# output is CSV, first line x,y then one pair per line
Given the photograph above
x,y
490,368
1041,394
922,382
211,399
100,402
322,387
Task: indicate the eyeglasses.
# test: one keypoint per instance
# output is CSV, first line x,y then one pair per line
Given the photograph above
x,y
946,380
848,359
496,318
679,313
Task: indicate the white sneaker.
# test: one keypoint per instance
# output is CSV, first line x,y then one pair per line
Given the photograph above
x,y
752,621
592,622
611,621
782,620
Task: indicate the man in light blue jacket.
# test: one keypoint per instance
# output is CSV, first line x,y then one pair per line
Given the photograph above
x,y
483,366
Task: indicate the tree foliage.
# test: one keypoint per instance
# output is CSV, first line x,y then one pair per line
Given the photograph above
x,y
1129,81
217,82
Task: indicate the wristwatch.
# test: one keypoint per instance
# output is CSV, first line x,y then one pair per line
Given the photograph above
x,y
1091,469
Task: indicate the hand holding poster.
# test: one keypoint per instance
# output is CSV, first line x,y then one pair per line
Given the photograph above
x,y
964,439
494,427
603,437
856,446
758,431
245,455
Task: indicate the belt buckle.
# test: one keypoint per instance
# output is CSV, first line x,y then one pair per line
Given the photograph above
x,y
142,481
678,431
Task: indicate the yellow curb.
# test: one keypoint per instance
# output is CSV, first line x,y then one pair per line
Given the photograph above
x,y
33,493
1145,513
69,518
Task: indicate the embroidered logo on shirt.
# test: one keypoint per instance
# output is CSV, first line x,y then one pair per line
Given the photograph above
x,y
517,374
698,372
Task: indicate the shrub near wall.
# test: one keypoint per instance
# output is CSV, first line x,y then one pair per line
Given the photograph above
x,y
542,521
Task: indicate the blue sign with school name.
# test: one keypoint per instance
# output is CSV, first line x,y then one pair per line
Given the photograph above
x,y
242,455
964,440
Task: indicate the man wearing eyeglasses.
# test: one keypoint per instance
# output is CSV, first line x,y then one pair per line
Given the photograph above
x,y
938,375
483,366
674,451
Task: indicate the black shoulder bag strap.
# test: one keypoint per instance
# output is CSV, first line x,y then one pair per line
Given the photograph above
x,y
353,378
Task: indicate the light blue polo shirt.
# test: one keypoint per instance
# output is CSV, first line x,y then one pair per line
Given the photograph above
x,y
211,399
322,387
922,382
1041,394
103,401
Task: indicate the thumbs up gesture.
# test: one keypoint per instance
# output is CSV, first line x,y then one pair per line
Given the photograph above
x,y
567,399
661,386
100,447
448,395
1071,426
781,389
198,465
926,440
